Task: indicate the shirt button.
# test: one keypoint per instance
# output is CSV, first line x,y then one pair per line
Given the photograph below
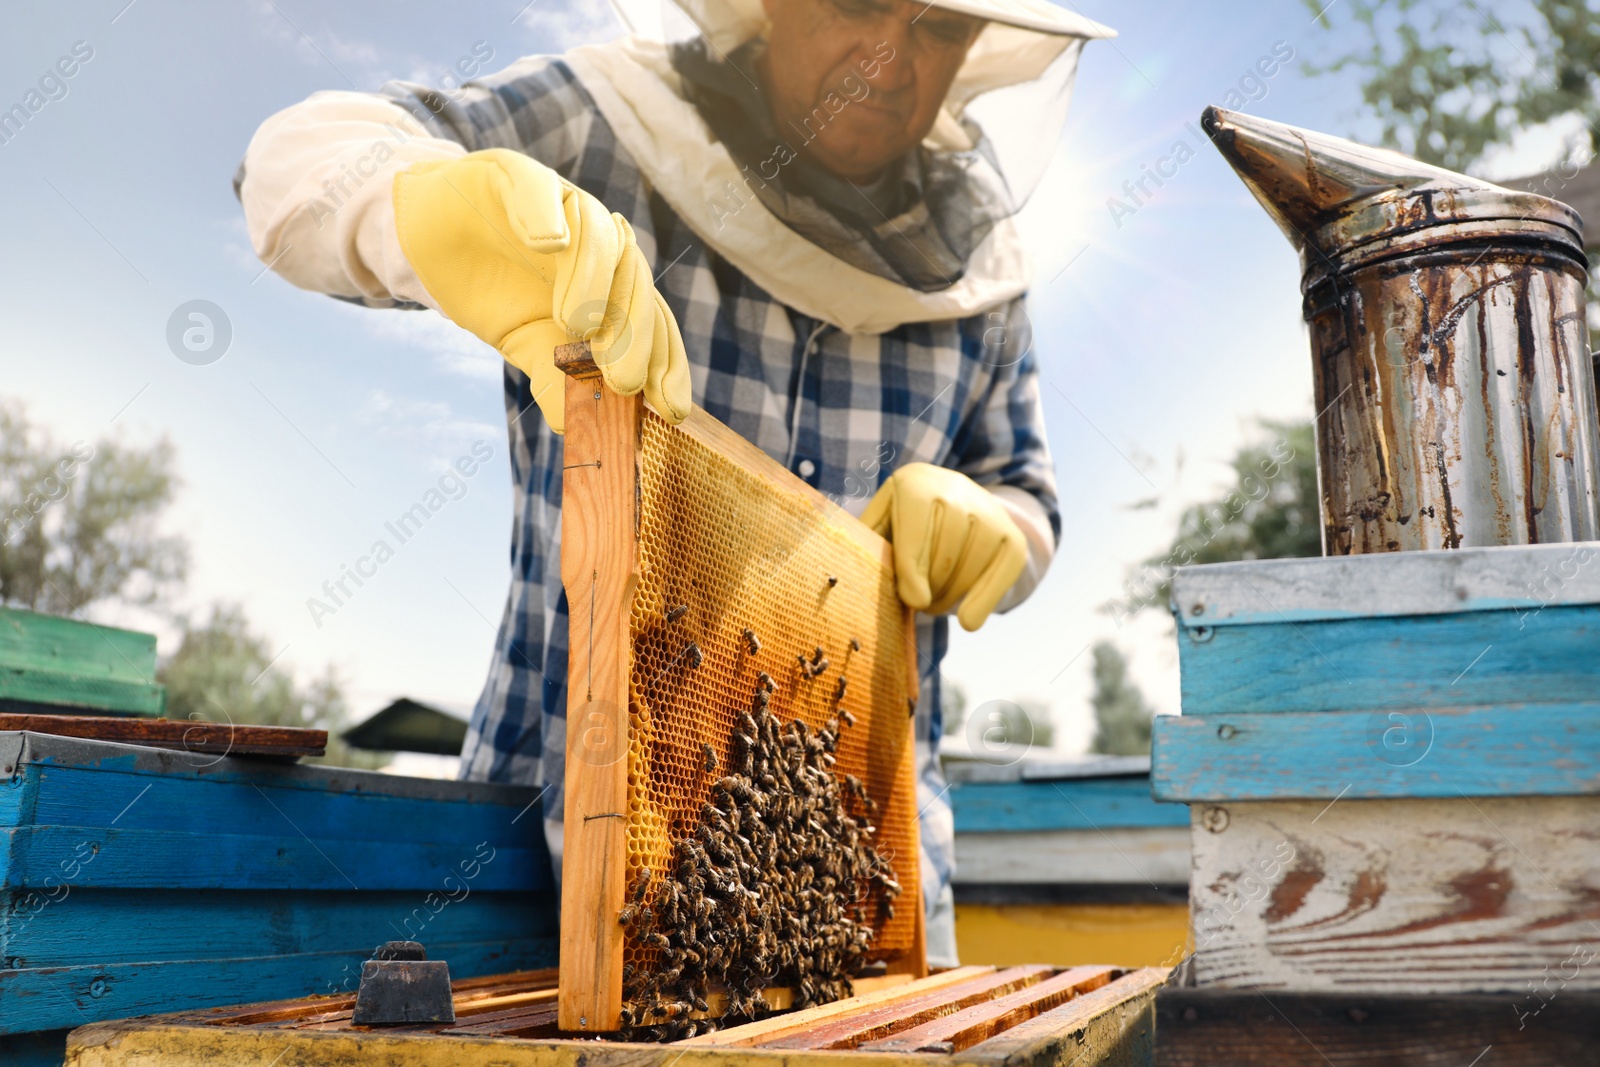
x,y
807,468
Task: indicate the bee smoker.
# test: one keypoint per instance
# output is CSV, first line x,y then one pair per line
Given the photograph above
x,y
1454,386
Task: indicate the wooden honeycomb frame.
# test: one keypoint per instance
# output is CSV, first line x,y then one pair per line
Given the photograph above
x,y
638,715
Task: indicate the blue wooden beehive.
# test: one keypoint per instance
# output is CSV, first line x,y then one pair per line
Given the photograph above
x,y
1051,829
1392,763
137,880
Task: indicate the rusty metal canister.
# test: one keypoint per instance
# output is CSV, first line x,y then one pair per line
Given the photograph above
x,y
1454,387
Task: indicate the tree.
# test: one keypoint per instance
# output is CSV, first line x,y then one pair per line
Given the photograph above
x,y
1272,511
1037,725
223,672
78,524
1121,716
952,706
1449,81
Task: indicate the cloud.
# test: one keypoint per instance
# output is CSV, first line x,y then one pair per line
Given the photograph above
x,y
453,349
557,27
434,421
356,61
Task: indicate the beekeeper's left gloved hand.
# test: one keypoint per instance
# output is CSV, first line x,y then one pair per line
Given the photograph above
x,y
953,541
526,260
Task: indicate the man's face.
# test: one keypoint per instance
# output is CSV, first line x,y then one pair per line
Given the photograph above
x,y
857,84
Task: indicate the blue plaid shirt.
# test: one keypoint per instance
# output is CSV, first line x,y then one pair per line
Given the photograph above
x,y
840,411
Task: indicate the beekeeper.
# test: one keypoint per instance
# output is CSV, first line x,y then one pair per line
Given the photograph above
x,y
797,215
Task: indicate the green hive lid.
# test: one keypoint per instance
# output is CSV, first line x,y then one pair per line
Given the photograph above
x,y
52,662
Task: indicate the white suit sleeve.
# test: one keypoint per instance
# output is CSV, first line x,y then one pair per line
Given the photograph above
x,y
1034,522
316,192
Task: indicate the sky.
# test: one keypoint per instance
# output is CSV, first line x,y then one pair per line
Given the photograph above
x,y
1164,327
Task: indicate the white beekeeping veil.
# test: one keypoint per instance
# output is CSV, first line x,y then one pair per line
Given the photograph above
x,y
949,250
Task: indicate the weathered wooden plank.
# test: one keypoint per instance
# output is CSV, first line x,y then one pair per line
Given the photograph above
x,y
85,926
304,1008
111,757
1043,768
1084,804
77,796
517,1022
1515,578
33,856
1205,1028
600,571
1401,663
1112,1024
181,735
848,1031
141,1043
1118,1035
1515,750
1153,855
1395,896
965,1028
50,998
779,1026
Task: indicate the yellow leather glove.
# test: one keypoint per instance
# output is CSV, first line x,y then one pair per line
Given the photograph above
x,y
953,541
528,261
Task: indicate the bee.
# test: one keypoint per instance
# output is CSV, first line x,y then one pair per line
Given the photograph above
x,y
641,884
752,642
628,914
855,646
711,759
838,693
692,651
674,614
849,719
833,580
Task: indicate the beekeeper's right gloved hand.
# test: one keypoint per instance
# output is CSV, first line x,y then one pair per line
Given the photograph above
x,y
953,541
528,261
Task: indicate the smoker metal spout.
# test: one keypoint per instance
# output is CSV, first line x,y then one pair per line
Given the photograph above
x,y
1331,196
1449,346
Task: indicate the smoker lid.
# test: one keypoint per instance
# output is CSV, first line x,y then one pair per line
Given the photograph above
x,y
1341,203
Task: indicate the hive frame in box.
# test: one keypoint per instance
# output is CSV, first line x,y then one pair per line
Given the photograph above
x,y
602,512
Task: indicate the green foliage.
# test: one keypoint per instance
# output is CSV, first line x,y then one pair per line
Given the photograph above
x,y
1000,722
953,706
1036,726
223,672
1448,81
1121,716
78,524
1272,511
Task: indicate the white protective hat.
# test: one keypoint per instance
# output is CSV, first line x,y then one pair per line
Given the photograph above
x,y
1013,91
1021,43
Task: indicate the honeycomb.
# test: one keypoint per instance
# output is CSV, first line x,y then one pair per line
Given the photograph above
x,y
720,553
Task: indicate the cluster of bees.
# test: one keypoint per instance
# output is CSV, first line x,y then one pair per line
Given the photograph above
x,y
776,887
